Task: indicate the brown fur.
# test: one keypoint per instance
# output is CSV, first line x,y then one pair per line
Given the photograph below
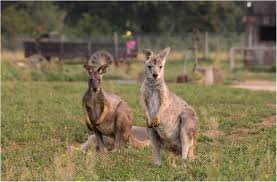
x,y
107,114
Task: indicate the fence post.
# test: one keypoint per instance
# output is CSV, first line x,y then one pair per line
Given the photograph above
x,y
89,48
195,42
116,45
206,45
232,59
61,49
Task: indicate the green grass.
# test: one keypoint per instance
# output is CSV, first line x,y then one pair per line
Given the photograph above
x,y
40,119
57,72
241,73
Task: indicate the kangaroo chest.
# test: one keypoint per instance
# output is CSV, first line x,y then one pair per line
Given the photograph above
x,y
154,103
95,109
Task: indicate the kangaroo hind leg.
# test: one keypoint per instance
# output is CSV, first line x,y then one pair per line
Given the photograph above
x,y
123,124
155,141
188,132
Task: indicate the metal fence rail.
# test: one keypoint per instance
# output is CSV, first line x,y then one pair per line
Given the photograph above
x,y
256,56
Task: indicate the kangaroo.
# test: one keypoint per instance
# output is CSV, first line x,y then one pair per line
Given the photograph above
x,y
171,122
106,114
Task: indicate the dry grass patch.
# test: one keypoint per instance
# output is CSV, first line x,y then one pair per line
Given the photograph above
x,y
75,165
214,133
174,55
12,56
212,125
269,121
11,147
241,133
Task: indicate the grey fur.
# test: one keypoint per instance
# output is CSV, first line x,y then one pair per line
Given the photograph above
x,y
172,123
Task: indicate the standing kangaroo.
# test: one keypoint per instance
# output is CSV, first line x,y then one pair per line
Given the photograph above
x,y
106,114
171,122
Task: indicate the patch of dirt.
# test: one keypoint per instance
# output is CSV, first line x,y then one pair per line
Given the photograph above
x,y
269,121
240,133
213,133
11,147
272,105
256,85
22,64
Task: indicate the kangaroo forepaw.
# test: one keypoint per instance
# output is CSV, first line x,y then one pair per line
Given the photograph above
x,y
156,122
97,122
149,125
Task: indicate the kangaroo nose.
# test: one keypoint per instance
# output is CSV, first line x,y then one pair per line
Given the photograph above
x,y
155,75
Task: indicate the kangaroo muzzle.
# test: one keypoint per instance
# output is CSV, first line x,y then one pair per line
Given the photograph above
x,y
94,86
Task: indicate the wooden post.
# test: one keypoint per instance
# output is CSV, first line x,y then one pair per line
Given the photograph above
x,y
232,59
116,48
61,50
195,41
89,52
206,45
185,63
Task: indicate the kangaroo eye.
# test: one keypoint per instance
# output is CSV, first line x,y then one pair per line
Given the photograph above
x,y
161,67
149,67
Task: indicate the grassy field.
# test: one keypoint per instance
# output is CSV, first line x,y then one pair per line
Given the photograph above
x,y
175,66
41,119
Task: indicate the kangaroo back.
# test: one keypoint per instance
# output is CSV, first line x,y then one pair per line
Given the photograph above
x,y
138,143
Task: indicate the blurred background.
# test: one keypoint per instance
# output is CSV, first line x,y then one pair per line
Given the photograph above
x,y
75,32
155,23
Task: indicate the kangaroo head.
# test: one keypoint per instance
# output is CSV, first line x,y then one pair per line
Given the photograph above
x,y
95,76
154,64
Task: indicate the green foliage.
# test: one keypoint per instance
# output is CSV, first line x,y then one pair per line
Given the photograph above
x,y
47,15
91,25
23,18
12,21
86,18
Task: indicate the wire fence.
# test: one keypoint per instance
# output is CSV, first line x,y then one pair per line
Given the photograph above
x,y
210,42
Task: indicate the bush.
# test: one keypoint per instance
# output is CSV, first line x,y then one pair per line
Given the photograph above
x,y
23,18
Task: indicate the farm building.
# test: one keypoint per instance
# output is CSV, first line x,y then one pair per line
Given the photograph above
x,y
260,21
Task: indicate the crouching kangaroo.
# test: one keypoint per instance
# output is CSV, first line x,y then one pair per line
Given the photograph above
x,y
106,114
171,122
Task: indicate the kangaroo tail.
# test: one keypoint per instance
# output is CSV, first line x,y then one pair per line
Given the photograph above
x,y
138,143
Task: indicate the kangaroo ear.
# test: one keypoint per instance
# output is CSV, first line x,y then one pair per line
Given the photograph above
x,y
148,54
164,53
89,68
103,69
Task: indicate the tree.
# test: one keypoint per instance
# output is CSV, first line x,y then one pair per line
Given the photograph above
x,y
24,17
15,22
86,17
90,25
